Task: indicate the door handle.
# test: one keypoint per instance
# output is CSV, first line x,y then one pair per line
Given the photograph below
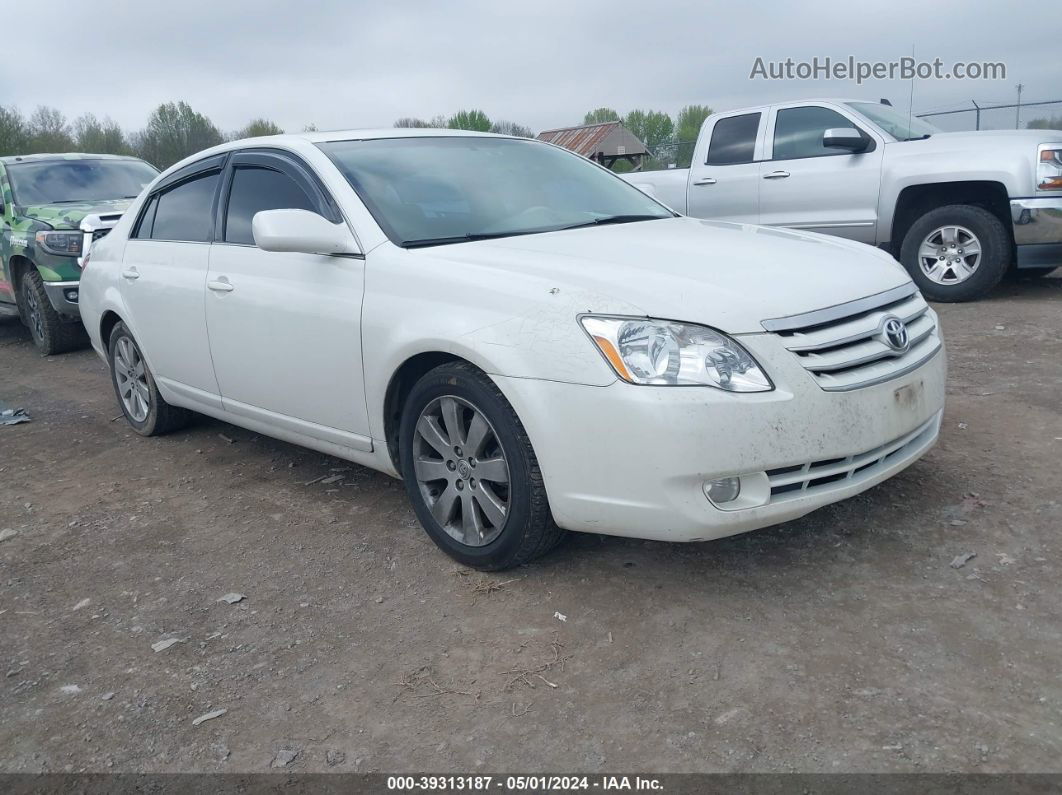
x,y
220,286
131,274
704,181
776,175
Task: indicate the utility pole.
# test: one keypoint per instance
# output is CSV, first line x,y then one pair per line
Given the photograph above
x,y
978,107
1017,110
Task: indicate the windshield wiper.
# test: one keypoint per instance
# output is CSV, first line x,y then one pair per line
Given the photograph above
x,y
917,138
473,236
615,219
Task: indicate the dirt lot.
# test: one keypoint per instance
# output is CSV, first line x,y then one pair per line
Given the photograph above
x,y
846,641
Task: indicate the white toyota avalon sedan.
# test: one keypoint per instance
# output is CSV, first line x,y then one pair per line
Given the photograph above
x,y
529,342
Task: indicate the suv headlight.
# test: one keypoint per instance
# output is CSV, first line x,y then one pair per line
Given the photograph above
x,y
66,244
1049,167
665,353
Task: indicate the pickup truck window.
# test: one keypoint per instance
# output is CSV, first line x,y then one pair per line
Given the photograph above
x,y
436,190
734,140
72,181
798,132
255,190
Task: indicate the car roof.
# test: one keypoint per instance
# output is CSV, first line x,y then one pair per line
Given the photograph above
x,y
46,156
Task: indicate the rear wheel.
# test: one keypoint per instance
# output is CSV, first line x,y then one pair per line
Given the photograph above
x,y
138,395
471,472
51,333
956,253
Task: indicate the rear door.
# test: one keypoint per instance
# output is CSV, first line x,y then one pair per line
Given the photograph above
x,y
808,186
163,279
724,176
285,327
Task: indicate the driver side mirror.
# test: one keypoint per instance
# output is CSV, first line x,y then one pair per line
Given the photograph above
x,y
301,232
845,138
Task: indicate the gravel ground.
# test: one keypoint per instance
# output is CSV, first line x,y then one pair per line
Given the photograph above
x,y
846,641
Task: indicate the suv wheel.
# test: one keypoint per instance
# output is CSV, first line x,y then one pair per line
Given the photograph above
x,y
956,253
51,334
471,472
135,387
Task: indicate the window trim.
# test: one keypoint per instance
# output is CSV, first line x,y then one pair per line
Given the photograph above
x,y
760,127
288,164
773,126
197,170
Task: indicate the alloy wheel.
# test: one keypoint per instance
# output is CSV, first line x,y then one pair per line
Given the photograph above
x,y
34,315
131,377
461,470
949,254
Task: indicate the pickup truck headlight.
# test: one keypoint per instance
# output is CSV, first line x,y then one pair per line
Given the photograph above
x,y
65,244
1049,167
665,353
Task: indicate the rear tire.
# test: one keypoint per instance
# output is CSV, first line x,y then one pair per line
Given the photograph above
x,y
51,333
471,473
943,264
138,395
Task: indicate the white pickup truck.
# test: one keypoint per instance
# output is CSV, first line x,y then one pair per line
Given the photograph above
x,y
957,209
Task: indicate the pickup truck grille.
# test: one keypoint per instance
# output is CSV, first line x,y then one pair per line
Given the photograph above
x,y
848,347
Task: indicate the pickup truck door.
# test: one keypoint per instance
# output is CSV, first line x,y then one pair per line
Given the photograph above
x,y
285,328
805,185
724,181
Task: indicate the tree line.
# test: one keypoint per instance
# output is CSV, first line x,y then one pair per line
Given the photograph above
x,y
173,131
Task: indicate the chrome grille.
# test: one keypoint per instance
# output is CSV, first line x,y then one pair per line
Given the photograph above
x,y
846,347
802,479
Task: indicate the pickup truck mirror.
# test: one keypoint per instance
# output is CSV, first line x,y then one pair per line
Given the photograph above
x,y
845,138
301,232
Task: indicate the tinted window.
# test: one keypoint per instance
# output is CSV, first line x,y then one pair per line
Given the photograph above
x,y
147,220
255,190
185,212
734,140
72,181
798,132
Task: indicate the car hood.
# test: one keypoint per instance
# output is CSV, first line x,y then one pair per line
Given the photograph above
x,y
68,216
727,275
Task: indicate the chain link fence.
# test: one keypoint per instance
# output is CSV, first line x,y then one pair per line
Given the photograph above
x,y
984,116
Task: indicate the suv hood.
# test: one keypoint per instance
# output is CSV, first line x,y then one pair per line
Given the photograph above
x,y
727,275
69,215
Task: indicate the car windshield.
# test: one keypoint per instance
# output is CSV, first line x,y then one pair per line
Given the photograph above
x,y
427,191
900,126
71,181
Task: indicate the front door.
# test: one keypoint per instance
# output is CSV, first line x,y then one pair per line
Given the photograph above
x,y
285,328
724,181
808,186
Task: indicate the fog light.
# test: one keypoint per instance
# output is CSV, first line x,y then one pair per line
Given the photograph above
x,y
71,296
723,490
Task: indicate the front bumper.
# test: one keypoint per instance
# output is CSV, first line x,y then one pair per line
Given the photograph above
x,y
632,461
1037,231
64,298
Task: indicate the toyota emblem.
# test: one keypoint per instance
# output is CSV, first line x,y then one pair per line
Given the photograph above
x,y
894,332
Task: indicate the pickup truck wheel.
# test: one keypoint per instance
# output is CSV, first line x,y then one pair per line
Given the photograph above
x,y
51,334
956,253
471,472
137,392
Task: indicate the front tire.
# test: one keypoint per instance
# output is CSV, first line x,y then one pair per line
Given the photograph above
x,y
471,473
51,334
134,385
956,253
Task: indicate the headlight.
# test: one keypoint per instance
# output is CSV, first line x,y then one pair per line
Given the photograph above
x,y
1049,167
663,353
67,244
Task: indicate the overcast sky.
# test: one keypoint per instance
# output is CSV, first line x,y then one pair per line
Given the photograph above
x,y
543,63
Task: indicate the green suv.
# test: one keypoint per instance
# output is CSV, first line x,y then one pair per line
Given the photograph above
x,y
43,201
